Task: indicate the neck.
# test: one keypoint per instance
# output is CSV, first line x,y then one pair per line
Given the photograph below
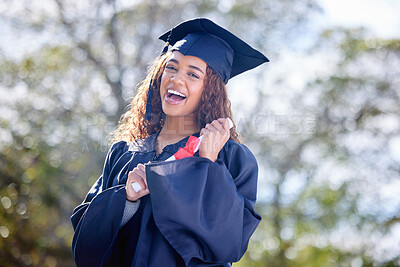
x,y
180,126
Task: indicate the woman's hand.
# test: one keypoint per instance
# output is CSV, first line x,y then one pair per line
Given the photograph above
x,y
137,175
215,135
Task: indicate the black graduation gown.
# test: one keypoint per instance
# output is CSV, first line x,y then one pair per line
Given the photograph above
x,y
198,212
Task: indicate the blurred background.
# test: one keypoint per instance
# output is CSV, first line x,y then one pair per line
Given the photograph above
x,y
322,118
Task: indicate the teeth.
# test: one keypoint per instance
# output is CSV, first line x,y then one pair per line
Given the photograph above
x,y
176,93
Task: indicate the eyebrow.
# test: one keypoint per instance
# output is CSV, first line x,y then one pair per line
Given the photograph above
x,y
190,66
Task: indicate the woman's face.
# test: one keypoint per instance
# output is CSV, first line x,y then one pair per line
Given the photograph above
x,y
182,84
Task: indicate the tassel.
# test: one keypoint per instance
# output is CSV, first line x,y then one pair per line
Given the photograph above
x,y
147,115
165,49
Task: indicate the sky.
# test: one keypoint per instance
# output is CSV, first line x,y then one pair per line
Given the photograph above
x,y
380,16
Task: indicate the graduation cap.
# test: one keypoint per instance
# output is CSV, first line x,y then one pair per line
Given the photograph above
x,y
224,52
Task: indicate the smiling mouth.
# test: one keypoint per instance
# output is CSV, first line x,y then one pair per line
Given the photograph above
x,y
174,97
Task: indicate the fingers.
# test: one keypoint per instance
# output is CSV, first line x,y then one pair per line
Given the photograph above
x,y
136,185
134,178
216,126
226,123
211,128
222,125
140,169
216,134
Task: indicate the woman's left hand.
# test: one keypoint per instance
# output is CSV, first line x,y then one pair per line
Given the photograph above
x,y
138,176
215,135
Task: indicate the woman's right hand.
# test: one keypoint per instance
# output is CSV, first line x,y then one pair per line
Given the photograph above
x,y
137,175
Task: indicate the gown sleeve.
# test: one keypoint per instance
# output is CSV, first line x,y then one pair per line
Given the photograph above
x,y
210,215
96,221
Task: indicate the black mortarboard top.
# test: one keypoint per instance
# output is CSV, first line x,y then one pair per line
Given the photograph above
x,y
227,54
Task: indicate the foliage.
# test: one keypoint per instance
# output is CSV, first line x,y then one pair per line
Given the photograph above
x,y
334,189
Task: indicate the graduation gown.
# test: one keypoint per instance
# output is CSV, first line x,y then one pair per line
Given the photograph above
x,y
198,212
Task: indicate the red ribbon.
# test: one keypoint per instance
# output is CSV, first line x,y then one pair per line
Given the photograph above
x,y
188,150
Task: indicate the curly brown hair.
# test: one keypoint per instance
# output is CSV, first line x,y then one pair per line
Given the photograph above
x,y
214,104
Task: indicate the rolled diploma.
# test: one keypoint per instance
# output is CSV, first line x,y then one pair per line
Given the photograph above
x,y
136,186
201,138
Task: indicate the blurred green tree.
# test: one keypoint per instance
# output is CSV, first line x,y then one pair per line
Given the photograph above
x,y
334,169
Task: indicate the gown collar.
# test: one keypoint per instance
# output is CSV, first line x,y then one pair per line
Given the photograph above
x,y
149,144
144,144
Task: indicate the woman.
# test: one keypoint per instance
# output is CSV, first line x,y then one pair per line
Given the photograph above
x,y
196,211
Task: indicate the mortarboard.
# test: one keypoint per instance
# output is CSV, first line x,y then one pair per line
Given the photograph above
x,y
227,54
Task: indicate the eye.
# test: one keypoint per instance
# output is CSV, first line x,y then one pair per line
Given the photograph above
x,y
194,75
170,67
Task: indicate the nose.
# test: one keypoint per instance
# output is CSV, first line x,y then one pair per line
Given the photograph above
x,y
177,77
